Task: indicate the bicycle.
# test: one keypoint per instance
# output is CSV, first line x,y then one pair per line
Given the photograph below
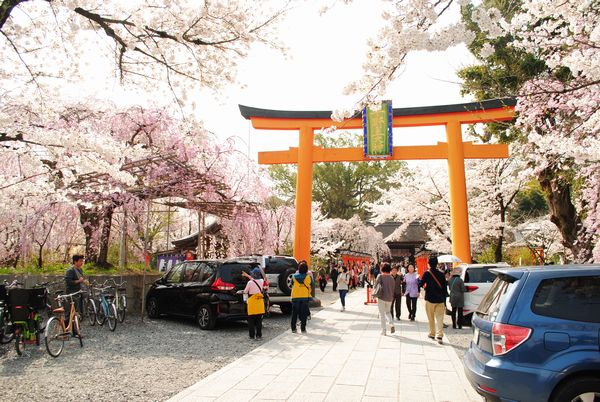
x,y
107,311
90,306
24,307
57,332
47,300
6,329
120,299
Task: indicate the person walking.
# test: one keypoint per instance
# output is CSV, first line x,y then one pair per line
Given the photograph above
x,y
322,279
434,282
256,302
384,292
411,280
301,295
457,297
343,281
398,286
334,272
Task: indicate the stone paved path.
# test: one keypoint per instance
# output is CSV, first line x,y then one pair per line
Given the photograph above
x,y
343,358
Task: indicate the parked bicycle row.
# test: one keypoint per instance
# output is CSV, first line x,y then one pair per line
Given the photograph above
x,y
23,312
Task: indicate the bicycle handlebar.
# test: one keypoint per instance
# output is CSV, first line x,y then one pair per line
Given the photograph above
x,y
70,295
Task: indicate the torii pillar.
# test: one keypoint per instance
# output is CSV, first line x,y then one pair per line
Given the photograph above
x,y
455,151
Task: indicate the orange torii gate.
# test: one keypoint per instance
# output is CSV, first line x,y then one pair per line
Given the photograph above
x,y
455,151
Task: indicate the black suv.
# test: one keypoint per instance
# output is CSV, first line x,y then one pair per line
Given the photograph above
x,y
279,270
206,290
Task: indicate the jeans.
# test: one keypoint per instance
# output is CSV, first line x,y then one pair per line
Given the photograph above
x,y
255,325
384,313
299,310
411,304
397,302
457,317
435,316
343,293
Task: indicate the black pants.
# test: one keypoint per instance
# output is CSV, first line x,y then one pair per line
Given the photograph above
x,y
411,304
322,285
457,317
396,301
299,310
255,325
334,282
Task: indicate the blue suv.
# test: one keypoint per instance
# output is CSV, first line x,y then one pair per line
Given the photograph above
x,y
536,336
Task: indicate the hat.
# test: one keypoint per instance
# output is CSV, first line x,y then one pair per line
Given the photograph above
x,y
457,271
256,273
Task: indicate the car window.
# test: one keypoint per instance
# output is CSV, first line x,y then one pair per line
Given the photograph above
x,y
204,273
572,298
232,273
189,272
479,275
280,264
495,298
174,276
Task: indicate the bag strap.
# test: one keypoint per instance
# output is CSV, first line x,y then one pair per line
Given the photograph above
x,y
257,285
436,280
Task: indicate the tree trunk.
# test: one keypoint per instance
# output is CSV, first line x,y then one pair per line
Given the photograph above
x,y
105,236
500,239
90,220
564,215
40,261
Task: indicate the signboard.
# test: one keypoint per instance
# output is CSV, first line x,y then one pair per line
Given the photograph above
x,y
377,127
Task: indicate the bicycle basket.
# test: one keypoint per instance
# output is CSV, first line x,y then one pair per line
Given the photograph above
x,y
22,301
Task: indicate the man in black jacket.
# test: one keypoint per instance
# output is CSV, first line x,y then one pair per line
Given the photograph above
x,y
333,273
434,282
73,280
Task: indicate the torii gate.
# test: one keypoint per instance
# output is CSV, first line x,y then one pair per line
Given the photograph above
x,y
455,151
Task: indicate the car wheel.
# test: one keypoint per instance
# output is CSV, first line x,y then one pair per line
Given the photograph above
x,y
582,389
286,308
285,281
206,317
152,308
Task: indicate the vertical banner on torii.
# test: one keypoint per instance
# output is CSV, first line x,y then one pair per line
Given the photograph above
x,y
377,128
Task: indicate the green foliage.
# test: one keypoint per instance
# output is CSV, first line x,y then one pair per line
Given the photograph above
x,y
342,188
58,268
486,256
529,203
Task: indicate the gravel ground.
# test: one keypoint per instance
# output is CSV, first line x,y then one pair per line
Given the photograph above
x,y
149,361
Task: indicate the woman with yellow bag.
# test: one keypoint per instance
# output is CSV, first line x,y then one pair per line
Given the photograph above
x,y
256,302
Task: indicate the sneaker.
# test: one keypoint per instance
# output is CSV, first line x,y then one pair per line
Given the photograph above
x,y
258,338
393,329
303,331
344,308
431,336
294,331
251,338
440,341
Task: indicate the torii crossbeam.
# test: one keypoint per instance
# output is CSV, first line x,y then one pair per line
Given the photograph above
x,y
455,151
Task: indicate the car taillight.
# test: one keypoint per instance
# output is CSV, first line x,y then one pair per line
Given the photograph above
x,y
219,284
266,285
507,337
471,288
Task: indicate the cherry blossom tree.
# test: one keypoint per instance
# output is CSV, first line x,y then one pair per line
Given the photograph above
x,y
175,45
558,108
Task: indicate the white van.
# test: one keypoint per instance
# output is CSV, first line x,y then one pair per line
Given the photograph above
x,y
478,280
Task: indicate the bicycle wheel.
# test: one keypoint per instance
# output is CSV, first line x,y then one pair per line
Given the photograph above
x,y
77,330
100,315
54,337
112,317
19,342
91,312
121,310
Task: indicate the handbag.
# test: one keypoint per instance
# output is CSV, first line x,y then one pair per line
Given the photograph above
x,y
256,304
378,290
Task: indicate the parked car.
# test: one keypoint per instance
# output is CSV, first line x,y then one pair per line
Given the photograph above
x,y
536,336
278,270
206,290
478,280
